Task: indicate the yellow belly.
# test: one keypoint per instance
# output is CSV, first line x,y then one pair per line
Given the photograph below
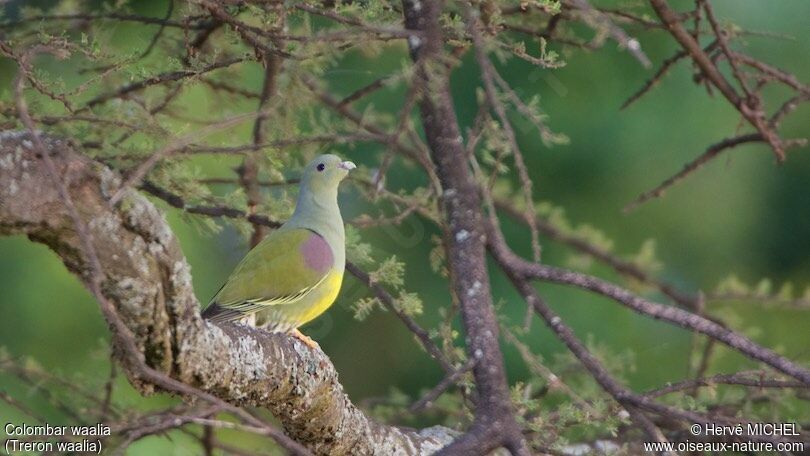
x,y
285,317
326,295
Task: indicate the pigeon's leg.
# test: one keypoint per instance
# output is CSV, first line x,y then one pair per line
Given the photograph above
x,y
305,339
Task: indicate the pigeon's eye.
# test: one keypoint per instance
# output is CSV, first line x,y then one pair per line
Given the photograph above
x,y
321,166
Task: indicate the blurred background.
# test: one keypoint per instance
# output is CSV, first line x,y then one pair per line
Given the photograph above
x,y
742,214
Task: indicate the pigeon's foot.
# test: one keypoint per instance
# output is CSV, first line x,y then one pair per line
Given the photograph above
x,y
305,339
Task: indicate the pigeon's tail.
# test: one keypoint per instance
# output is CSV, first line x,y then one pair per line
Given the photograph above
x,y
218,314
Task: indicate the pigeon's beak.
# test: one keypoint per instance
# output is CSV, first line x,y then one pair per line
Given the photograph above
x,y
347,165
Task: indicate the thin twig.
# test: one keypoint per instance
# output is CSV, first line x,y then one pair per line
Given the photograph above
x,y
749,379
162,78
137,174
427,399
752,113
711,152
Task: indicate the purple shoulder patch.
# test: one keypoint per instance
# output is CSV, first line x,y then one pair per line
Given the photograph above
x,y
317,253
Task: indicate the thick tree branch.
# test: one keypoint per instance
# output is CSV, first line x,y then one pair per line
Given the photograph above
x,y
495,423
683,318
148,281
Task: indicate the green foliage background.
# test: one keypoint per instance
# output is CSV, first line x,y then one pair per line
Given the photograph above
x,y
742,214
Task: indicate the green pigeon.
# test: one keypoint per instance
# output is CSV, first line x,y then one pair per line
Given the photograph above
x,y
295,273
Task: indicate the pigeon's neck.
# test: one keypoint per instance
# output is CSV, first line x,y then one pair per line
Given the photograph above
x,y
321,214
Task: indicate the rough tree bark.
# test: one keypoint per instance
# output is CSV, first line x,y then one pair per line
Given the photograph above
x,y
495,423
148,280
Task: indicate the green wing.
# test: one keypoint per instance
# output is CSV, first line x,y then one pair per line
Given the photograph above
x,y
282,269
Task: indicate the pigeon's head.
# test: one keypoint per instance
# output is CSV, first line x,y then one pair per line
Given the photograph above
x,y
325,172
